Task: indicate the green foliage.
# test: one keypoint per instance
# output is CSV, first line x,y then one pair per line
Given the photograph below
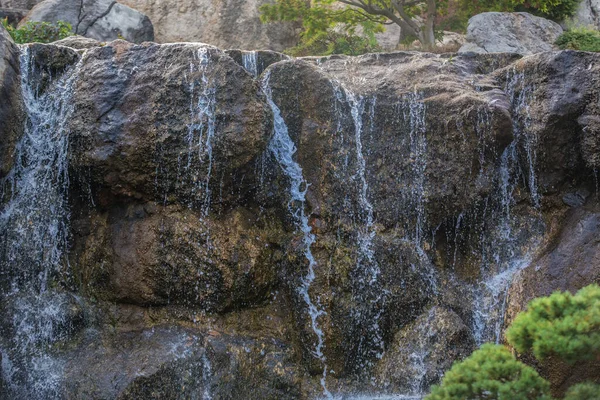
x,y
491,373
581,38
327,30
557,10
562,325
583,391
333,42
41,32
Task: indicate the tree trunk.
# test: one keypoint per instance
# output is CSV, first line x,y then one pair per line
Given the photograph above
x,y
427,35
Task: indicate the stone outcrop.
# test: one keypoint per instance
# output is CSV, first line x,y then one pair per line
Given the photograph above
x,y
19,4
194,264
231,24
102,20
587,14
11,107
523,33
421,353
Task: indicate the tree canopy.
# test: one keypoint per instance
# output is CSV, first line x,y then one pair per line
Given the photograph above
x,y
331,20
491,373
562,324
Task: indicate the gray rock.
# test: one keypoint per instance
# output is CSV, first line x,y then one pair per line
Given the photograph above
x,y
78,42
13,15
19,4
228,24
425,349
523,33
11,106
102,20
588,14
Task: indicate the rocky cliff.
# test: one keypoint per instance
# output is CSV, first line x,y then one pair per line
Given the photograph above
x,y
226,24
176,225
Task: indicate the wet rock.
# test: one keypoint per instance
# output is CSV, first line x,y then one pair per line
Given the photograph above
x,y
523,33
177,123
102,20
255,62
161,362
172,255
228,24
11,107
421,352
555,96
571,262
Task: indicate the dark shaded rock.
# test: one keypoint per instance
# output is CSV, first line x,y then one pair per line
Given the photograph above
x,y
102,20
555,96
11,107
421,352
523,33
13,16
176,123
152,255
571,262
19,4
255,62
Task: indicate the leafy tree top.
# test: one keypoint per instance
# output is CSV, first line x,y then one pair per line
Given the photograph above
x,y
562,325
491,373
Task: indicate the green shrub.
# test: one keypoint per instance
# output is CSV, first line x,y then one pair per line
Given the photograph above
x,y
562,324
581,38
491,373
332,42
557,10
41,32
583,391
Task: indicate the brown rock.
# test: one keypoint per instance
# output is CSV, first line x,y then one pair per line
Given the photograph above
x,y
11,106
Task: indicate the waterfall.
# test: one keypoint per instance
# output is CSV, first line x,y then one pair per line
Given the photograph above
x,y
368,291
414,112
200,134
507,255
34,234
521,95
283,149
250,62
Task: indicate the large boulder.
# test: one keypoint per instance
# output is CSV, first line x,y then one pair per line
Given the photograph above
x,y
421,352
523,33
227,24
176,123
11,107
19,4
102,20
571,262
587,14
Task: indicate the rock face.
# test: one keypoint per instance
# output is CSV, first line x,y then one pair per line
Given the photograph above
x,y
231,24
102,20
522,33
11,107
244,225
588,13
424,350
19,4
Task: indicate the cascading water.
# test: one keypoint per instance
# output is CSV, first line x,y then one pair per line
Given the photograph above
x,y
506,256
200,135
34,235
368,291
250,62
283,149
